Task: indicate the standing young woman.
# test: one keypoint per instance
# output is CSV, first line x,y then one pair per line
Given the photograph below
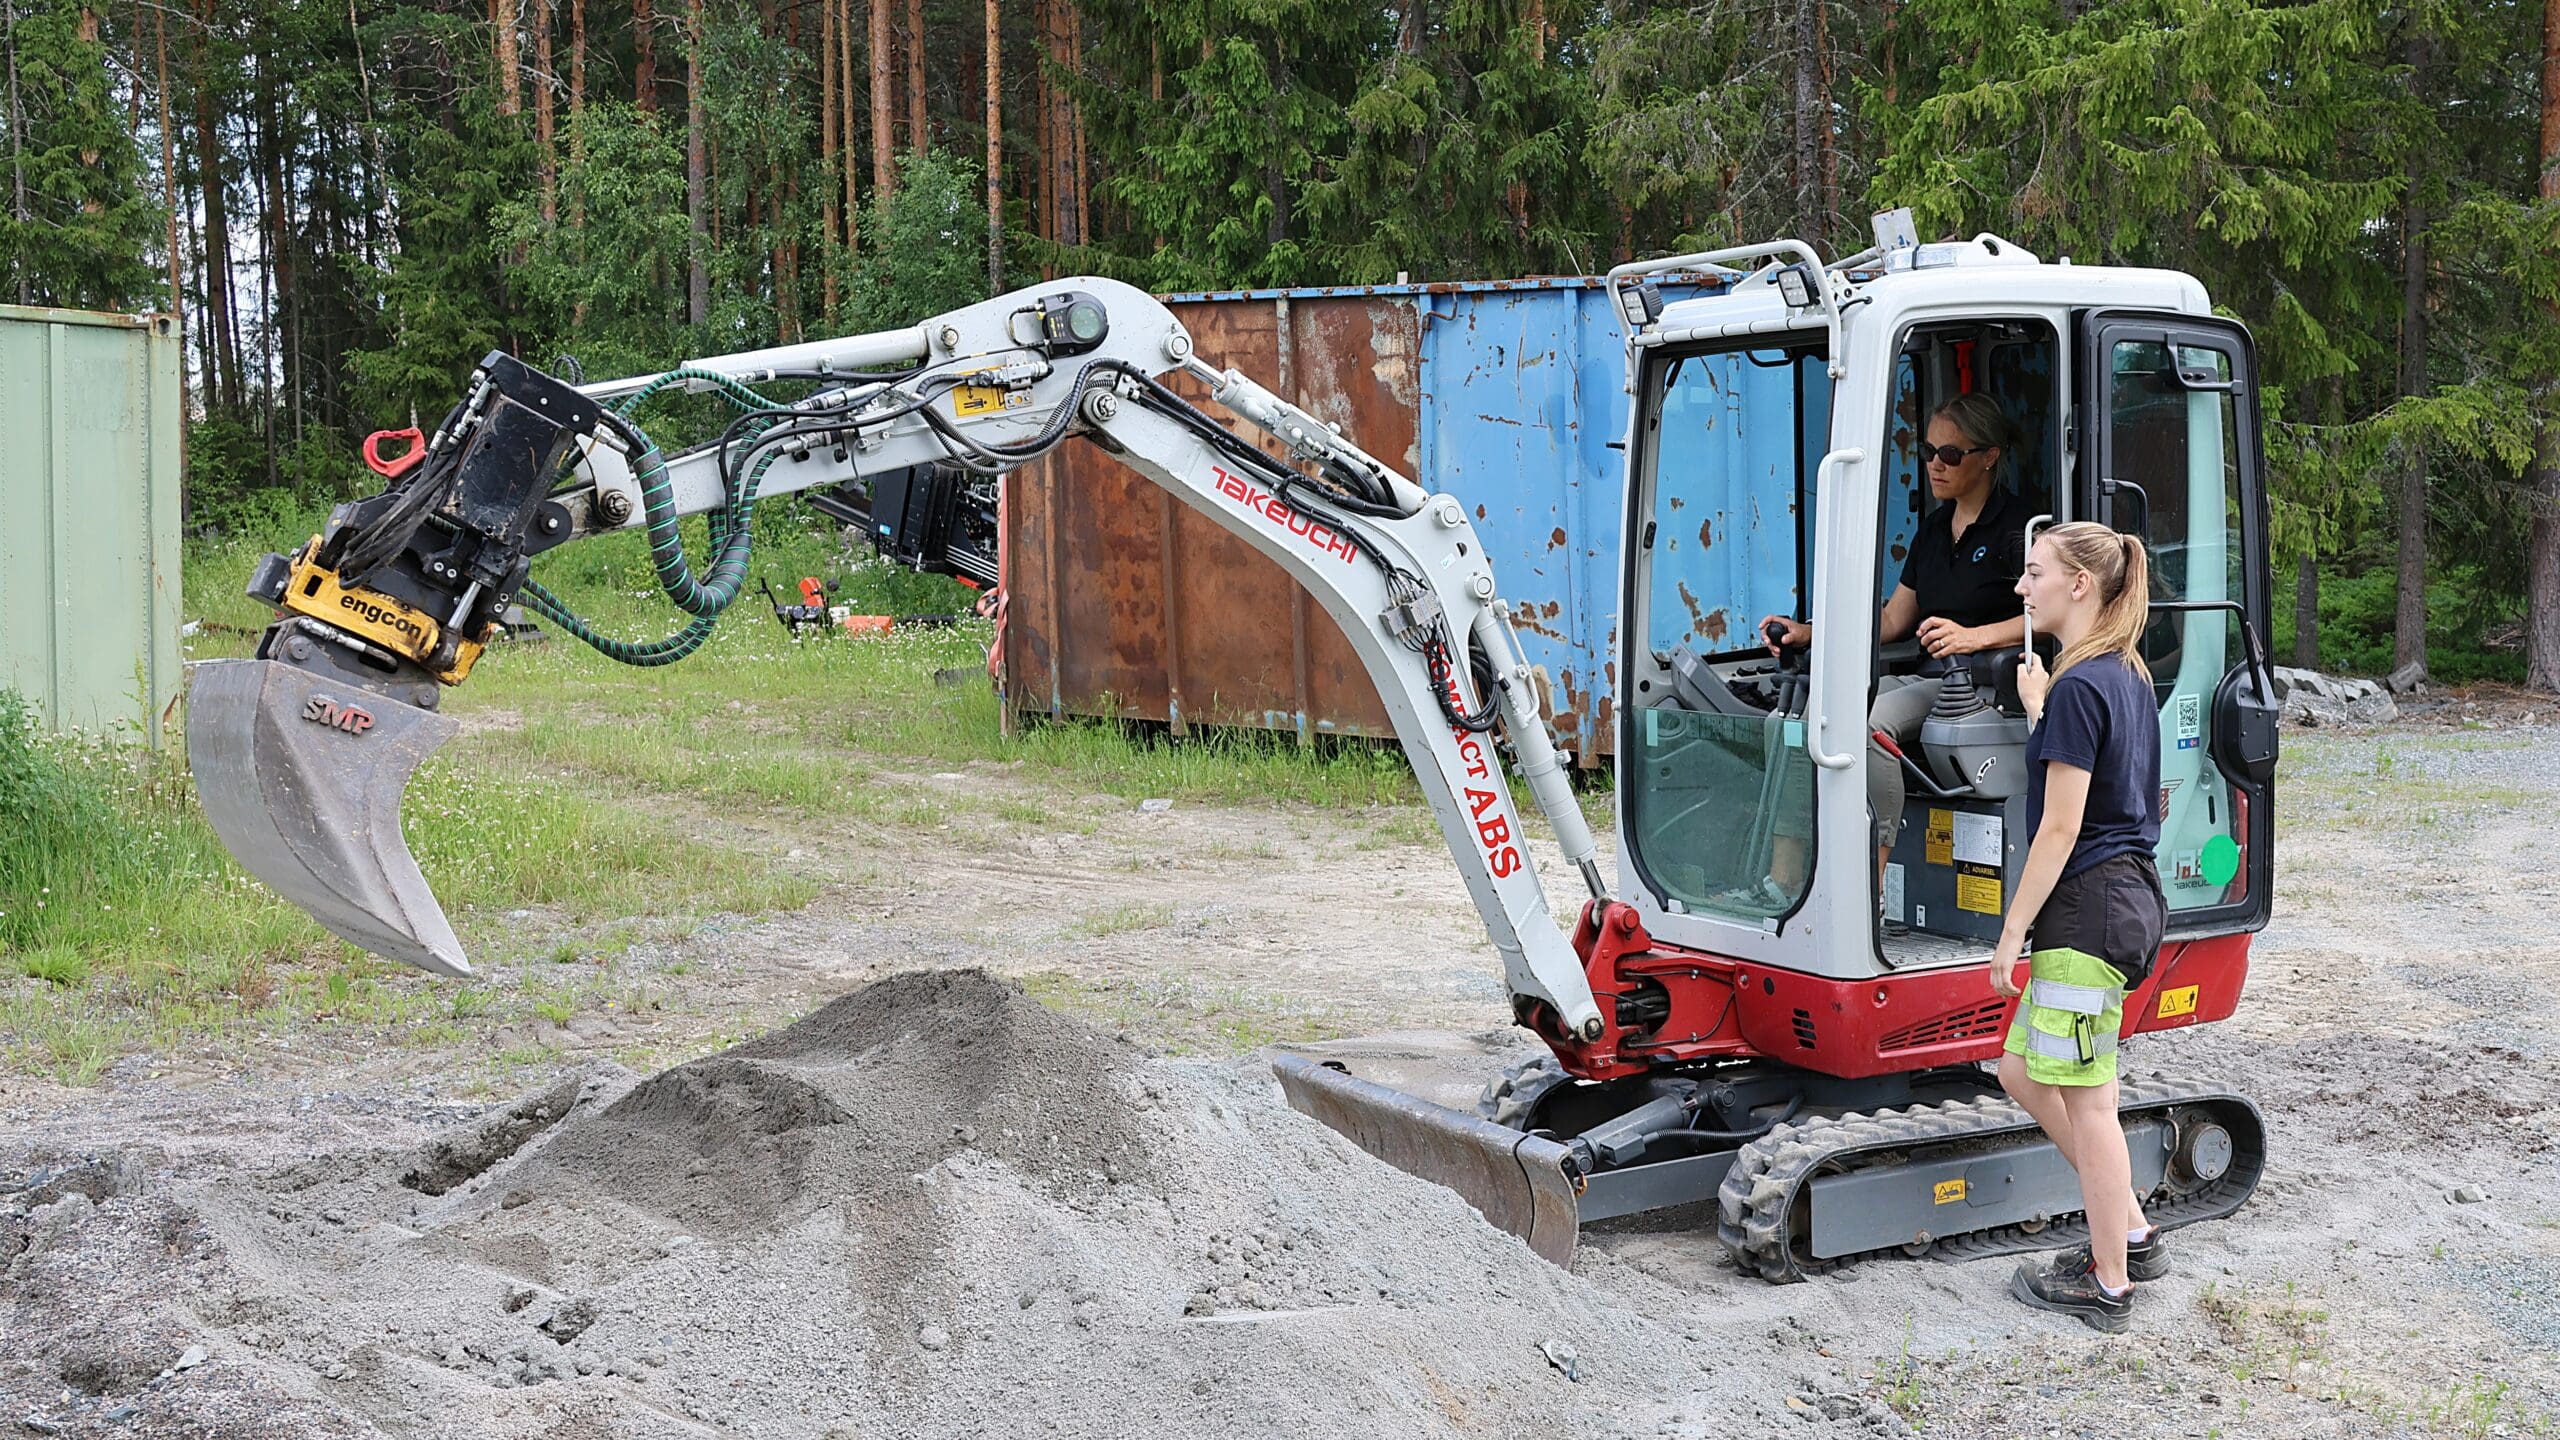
x,y
2092,893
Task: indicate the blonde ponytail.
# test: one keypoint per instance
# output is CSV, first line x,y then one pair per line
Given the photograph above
x,y
2120,573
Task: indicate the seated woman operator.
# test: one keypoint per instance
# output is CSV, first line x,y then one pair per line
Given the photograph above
x,y
1958,592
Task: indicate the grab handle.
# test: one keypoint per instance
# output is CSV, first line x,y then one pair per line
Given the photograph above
x,y
1818,708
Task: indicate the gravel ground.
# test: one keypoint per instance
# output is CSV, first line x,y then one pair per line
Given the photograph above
x,y
859,1225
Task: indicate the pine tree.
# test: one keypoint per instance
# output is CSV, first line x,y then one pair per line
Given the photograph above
x,y
1723,121
2542,594
1461,148
77,225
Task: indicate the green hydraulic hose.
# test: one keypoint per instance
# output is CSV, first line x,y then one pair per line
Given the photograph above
x,y
731,534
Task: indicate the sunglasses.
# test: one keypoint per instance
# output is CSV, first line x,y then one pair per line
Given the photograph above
x,y
1951,455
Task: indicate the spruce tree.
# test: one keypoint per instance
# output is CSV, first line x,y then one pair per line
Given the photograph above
x,y
76,223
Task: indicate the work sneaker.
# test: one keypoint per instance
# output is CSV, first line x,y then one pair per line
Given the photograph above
x,y
2072,1292
2148,1260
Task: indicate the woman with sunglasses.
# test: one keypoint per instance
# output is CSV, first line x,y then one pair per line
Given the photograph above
x,y
1958,592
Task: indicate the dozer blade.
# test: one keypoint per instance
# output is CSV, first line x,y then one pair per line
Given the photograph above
x,y
301,775
1515,1180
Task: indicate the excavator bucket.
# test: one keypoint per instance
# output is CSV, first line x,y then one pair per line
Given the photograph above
x,y
301,775
1517,1181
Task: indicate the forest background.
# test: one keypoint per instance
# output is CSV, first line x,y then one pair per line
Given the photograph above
x,y
349,203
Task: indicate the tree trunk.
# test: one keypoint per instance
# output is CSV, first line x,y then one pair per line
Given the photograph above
x,y
2542,547
915,76
852,152
1830,178
1808,153
827,119
545,132
1516,195
224,340
502,21
2409,625
786,210
577,109
17,145
2306,609
169,179
994,147
266,177
1083,174
577,71
644,67
1043,142
697,173
1892,70
286,299
884,162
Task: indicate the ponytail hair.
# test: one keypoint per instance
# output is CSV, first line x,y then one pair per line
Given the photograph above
x,y
2120,575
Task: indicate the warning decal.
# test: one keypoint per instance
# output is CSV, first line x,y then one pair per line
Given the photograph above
x,y
1942,837
1978,889
1947,1192
2173,1003
976,399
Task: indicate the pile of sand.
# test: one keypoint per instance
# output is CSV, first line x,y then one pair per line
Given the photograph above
x,y
931,1208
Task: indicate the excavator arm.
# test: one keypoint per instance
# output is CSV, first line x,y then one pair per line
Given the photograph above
x,y
302,753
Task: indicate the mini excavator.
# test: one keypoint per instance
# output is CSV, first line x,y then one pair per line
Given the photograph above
x,y
1752,1013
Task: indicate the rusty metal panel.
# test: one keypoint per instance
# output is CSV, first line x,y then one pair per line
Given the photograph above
x,y
89,584
1126,603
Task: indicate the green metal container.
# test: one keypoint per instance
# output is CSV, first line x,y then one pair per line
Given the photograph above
x,y
89,591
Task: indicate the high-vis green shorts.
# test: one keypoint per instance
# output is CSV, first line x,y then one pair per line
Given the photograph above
x,y
2071,1019
2096,935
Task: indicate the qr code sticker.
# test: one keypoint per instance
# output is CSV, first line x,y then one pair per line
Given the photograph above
x,y
2190,721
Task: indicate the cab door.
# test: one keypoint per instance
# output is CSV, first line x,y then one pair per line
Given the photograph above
x,y
2170,451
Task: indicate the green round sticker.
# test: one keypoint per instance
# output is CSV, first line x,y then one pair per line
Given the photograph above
x,y
2221,860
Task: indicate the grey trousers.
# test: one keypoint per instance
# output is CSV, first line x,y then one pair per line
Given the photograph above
x,y
1902,704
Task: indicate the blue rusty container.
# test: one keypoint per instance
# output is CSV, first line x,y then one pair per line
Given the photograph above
x,y
1508,395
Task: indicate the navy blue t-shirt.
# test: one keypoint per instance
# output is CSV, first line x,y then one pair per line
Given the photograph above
x,y
2103,717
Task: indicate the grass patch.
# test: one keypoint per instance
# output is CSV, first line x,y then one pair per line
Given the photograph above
x,y
1121,921
55,963
1184,1017
116,893
2397,783
2276,1335
756,717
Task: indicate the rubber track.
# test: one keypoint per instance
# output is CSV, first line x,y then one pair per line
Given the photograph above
x,y
1758,1196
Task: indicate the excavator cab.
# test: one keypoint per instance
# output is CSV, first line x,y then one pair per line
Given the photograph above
x,y
1775,468
1800,1030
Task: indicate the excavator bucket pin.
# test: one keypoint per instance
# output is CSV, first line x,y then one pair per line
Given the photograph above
x,y
301,774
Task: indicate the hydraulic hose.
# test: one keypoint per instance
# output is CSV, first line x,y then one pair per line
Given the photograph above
x,y
732,535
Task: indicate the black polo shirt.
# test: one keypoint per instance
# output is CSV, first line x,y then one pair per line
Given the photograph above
x,y
1973,581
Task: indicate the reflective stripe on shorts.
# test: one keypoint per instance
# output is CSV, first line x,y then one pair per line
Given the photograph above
x,y
2078,999
2067,1047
